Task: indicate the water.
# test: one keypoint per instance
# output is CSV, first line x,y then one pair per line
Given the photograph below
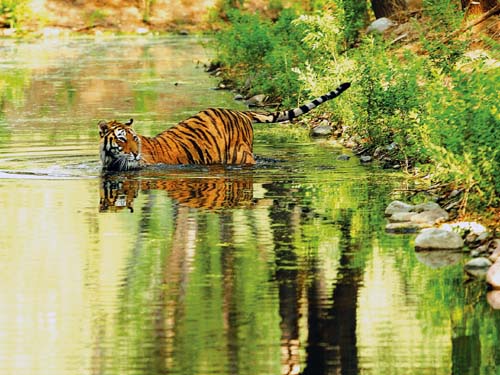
x,y
279,269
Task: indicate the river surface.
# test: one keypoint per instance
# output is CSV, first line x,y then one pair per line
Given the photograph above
x,y
283,268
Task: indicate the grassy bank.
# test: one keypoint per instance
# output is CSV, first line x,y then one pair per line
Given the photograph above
x,y
424,93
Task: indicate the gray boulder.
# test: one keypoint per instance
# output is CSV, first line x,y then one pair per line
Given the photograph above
x,y
401,217
397,206
439,239
322,131
431,217
427,206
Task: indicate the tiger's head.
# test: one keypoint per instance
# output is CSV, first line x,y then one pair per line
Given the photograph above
x,y
120,146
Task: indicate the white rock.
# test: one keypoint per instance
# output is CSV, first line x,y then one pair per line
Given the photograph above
x,y
434,238
464,226
380,25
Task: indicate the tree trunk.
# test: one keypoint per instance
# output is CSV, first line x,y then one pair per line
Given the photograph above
x,y
478,6
386,8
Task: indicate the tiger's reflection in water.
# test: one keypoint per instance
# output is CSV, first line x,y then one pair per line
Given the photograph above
x,y
119,191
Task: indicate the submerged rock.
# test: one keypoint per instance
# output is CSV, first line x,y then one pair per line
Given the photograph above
x,y
343,157
405,227
439,239
477,267
439,258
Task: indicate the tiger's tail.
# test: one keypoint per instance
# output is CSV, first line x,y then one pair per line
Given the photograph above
x,y
287,115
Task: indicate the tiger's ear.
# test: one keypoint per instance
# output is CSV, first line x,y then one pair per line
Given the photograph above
x,y
103,127
129,122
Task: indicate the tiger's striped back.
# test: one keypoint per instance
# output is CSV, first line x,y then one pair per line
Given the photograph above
x,y
213,136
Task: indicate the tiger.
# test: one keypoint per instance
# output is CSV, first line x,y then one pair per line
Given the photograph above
x,y
213,136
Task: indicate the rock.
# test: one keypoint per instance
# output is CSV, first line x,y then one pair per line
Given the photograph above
x,y
343,157
465,227
493,275
483,237
477,267
238,97
494,248
365,158
481,250
350,143
439,258
427,206
430,217
405,227
439,239
256,100
493,299
322,131
378,152
380,25
401,217
470,239
397,206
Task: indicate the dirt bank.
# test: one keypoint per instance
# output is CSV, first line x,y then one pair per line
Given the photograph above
x,y
119,15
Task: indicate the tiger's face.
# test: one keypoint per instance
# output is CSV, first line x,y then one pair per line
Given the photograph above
x,y
120,146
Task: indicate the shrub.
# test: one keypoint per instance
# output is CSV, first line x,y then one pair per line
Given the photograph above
x,y
462,132
261,55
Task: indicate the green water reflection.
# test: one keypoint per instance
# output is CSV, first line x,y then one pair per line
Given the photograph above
x,y
279,269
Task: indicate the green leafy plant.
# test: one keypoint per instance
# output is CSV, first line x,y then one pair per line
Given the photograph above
x,y
13,12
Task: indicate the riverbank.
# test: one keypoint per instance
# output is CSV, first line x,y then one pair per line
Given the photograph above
x,y
423,99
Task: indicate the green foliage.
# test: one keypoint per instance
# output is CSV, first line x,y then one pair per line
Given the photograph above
x,y
262,55
355,14
13,12
390,97
462,131
444,17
